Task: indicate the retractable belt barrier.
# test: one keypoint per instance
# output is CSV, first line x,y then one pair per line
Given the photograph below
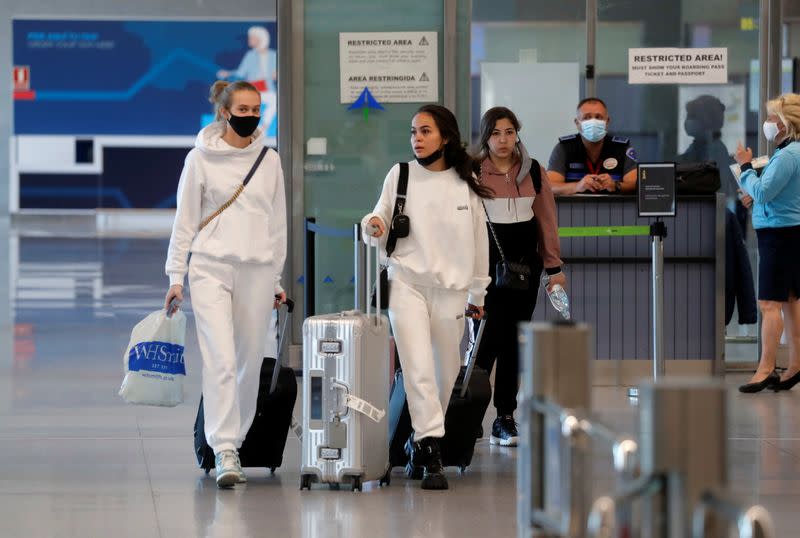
x,y
679,488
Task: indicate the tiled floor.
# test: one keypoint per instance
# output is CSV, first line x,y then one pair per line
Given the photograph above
x,y
77,462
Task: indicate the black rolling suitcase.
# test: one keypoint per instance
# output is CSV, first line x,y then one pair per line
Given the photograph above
x,y
462,422
266,439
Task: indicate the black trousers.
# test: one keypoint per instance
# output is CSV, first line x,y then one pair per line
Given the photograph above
x,y
505,308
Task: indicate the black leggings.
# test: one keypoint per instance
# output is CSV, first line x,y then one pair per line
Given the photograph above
x,y
504,309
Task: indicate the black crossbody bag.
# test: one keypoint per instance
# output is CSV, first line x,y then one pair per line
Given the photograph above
x,y
398,228
509,275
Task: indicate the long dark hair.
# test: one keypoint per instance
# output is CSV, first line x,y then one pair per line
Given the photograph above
x,y
455,153
488,121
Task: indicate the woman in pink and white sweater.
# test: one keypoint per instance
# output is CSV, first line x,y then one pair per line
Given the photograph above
x,y
523,215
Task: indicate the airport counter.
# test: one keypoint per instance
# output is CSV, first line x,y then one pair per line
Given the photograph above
x,y
608,268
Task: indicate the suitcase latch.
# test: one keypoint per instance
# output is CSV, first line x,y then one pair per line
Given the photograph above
x,y
330,347
327,453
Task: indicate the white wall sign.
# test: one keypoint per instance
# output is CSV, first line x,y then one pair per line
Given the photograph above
x,y
678,66
546,111
397,67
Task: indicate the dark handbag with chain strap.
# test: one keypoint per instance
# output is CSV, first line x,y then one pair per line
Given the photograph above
x,y
513,276
509,275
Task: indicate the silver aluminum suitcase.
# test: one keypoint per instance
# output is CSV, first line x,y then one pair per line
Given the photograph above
x,y
345,398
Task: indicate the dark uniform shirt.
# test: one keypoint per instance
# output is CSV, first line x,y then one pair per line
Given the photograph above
x,y
569,158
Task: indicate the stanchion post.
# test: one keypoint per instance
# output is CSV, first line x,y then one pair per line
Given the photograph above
x,y
683,431
658,231
555,368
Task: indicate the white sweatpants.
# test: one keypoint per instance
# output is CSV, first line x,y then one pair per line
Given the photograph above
x,y
428,324
232,303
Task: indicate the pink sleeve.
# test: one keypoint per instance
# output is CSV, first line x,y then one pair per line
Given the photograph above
x,y
544,208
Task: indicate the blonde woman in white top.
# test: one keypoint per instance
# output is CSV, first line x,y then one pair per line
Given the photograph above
x,y
236,262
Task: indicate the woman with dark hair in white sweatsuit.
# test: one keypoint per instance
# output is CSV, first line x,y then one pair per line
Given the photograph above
x,y
440,268
237,258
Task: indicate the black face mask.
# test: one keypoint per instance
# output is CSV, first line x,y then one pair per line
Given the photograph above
x,y
244,126
430,159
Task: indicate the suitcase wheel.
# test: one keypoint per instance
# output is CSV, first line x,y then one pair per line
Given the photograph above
x,y
463,469
387,478
272,470
305,482
356,484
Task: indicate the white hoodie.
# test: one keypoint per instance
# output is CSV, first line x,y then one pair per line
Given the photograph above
x,y
448,246
252,229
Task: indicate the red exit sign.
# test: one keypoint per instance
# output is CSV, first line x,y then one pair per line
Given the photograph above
x,y
22,78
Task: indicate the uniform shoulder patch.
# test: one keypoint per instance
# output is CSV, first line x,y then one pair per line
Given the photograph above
x,y
567,138
621,139
631,154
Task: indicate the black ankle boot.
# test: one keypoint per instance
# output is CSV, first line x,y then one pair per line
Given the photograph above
x,y
414,470
428,454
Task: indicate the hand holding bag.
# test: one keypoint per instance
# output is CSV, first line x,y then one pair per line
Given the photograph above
x,y
153,361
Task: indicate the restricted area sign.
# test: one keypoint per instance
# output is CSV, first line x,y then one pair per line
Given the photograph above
x,y
656,188
678,66
397,67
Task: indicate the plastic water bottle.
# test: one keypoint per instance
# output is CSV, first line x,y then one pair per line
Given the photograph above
x,y
558,297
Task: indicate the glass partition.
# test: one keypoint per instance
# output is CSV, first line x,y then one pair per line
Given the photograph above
x,y
352,153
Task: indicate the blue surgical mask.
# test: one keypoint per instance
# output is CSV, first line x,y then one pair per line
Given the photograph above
x,y
593,130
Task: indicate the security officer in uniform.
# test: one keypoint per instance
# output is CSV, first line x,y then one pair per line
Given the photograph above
x,y
592,161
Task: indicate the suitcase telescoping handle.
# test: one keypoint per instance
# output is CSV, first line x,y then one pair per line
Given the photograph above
x,y
374,279
473,354
277,368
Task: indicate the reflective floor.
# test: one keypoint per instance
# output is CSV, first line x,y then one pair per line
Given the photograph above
x,y
76,461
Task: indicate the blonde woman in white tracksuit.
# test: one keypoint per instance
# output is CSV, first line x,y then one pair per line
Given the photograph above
x,y
438,271
236,262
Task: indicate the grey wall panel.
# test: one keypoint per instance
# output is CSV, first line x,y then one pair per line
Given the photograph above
x,y
670,328
628,322
156,9
607,327
616,287
695,327
706,295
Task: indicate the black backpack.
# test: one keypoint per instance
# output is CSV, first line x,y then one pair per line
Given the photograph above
x,y
536,175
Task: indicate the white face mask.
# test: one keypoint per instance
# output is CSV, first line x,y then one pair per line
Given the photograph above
x,y
770,129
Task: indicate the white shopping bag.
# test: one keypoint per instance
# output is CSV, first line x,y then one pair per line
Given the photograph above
x,y
153,361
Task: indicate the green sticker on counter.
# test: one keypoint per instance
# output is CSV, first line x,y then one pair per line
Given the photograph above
x,y
603,231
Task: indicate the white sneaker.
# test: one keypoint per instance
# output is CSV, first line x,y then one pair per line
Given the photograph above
x,y
228,468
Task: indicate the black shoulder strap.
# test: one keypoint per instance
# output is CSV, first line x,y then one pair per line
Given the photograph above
x,y
255,165
399,204
536,175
